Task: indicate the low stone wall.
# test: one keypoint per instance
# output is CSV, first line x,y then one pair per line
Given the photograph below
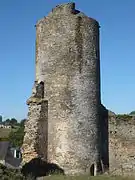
x,y
121,144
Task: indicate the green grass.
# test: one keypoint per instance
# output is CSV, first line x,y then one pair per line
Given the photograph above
x,y
12,174
4,132
87,178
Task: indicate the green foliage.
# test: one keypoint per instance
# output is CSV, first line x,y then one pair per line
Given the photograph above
x,y
14,135
123,117
6,122
11,174
12,122
16,138
22,122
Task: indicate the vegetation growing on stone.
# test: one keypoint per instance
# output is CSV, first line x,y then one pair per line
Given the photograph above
x,y
123,117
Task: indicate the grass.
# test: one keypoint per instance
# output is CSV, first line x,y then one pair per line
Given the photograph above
x,y
86,178
13,174
4,132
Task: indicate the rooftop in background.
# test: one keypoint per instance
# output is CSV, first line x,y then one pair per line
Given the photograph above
x,y
3,149
8,155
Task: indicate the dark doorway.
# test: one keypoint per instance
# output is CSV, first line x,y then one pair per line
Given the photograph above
x,y
92,170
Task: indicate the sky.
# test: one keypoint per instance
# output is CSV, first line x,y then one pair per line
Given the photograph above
x,y
17,51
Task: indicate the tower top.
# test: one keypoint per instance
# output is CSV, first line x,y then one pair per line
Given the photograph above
x,y
66,9
65,6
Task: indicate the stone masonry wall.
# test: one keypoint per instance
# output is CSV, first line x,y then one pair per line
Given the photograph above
x,y
122,145
67,125
36,128
67,61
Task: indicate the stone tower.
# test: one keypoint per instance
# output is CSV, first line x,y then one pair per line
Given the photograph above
x,y
63,118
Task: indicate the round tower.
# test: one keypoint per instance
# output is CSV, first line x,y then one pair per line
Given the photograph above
x,y
67,61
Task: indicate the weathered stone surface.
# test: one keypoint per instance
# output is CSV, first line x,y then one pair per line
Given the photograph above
x,y
122,146
67,124
104,138
35,139
67,61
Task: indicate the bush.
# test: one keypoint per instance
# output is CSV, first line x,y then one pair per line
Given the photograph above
x,y
10,174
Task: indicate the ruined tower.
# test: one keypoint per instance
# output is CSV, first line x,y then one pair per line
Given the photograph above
x,y
63,118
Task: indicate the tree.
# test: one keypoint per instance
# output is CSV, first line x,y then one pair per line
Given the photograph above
x,y
16,138
7,122
22,122
13,122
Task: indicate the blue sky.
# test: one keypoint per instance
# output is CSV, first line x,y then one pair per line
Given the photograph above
x,y
17,51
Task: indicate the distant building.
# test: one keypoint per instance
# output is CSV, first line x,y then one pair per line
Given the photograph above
x,y
10,157
5,126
